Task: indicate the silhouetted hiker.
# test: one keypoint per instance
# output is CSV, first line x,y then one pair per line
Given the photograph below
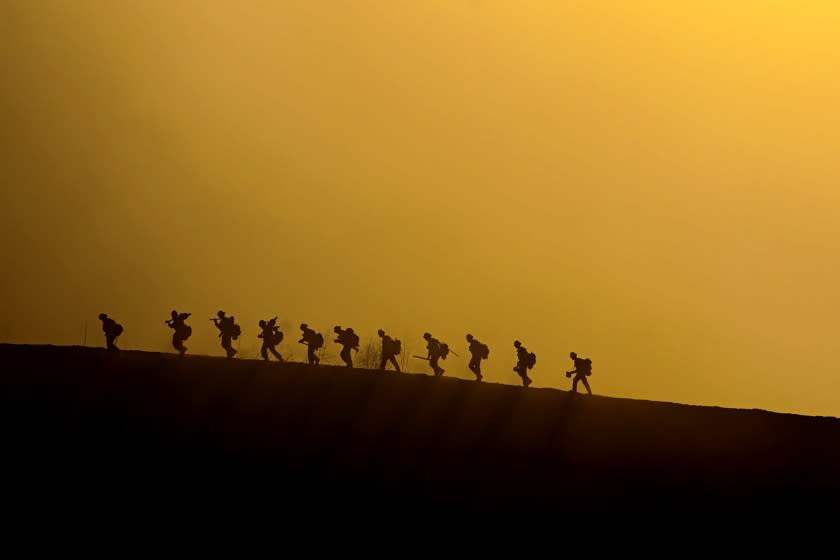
x,y
583,369
313,340
271,336
479,351
112,331
228,330
182,330
437,351
349,342
390,348
524,361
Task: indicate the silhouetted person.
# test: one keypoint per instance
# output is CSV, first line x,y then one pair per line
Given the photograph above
x,y
524,361
112,331
271,336
478,351
349,341
182,330
437,350
228,330
313,341
390,348
583,369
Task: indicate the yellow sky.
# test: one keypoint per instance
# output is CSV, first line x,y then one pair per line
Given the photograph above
x,y
651,184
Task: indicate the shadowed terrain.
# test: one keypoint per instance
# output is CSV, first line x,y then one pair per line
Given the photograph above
x,y
86,424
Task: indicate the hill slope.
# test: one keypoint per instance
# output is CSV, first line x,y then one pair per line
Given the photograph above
x,y
84,423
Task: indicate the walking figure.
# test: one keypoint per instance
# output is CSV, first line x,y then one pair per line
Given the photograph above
x,y
349,341
112,331
228,330
390,348
583,369
313,341
524,361
182,330
479,351
437,351
271,336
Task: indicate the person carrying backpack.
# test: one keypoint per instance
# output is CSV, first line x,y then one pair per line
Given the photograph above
x,y
349,341
313,341
390,348
228,330
182,330
112,331
524,361
583,369
437,350
478,351
271,336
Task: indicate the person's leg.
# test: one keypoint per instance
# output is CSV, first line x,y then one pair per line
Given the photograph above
x,y
276,353
434,362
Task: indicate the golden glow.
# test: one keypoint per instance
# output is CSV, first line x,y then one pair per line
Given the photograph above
x,y
651,184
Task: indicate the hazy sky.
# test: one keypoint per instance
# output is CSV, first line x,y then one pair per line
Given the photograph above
x,y
654,185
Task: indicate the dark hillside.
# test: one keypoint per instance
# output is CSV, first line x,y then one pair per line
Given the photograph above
x,y
85,424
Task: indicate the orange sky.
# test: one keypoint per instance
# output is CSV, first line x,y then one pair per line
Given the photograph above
x,y
653,185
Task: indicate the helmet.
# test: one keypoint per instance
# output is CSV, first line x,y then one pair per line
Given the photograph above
x,y
262,322
573,355
174,313
349,329
380,332
303,325
220,313
517,343
103,316
426,335
469,337
336,328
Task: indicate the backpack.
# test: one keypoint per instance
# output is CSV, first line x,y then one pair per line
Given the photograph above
x,y
186,332
277,338
532,360
118,329
353,338
397,346
318,339
235,331
587,367
485,351
444,350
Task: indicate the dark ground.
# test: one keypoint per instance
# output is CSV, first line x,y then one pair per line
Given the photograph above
x,y
200,434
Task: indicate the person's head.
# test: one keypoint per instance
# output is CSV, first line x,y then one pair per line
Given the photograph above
x,y
517,343
350,329
427,336
337,328
469,337
572,355
303,326
220,313
102,316
262,322
174,314
380,332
